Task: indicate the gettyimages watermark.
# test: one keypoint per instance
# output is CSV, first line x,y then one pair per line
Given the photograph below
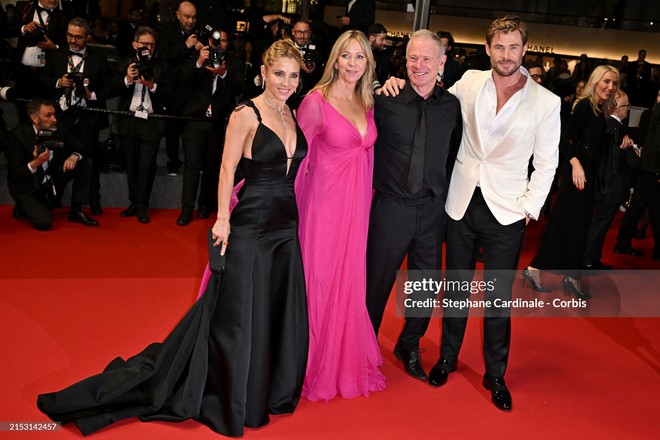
x,y
504,293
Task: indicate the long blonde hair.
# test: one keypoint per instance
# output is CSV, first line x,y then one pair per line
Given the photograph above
x,y
363,89
589,91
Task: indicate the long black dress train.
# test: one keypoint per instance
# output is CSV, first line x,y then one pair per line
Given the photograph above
x,y
240,352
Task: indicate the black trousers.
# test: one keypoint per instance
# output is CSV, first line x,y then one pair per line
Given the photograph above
x,y
172,135
501,246
647,193
607,204
35,207
140,139
84,126
202,150
398,227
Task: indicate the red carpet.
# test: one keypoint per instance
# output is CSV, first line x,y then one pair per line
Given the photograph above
x,y
74,298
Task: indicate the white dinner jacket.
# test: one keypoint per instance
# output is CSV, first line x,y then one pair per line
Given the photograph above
x,y
502,171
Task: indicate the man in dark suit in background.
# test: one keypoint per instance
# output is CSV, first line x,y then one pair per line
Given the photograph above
x,y
179,44
31,20
145,89
34,177
452,71
312,68
99,84
360,14
213,89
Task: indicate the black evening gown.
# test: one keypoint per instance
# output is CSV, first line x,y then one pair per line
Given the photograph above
x,y
565,238
239,354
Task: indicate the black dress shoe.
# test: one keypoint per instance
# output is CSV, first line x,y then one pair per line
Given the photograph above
x,y
440,372
203,212
95,208
527,276
411,362
499,392
142,216
628,250
81,217
185,217
128,212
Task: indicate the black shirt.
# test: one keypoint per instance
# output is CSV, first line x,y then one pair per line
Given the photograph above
x,y
396,119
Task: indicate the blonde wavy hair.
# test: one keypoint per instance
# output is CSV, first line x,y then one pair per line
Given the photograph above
x,y
589,91
363,88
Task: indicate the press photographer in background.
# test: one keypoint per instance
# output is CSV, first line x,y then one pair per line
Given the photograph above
x,y
42,157
145,89
312,67
40,27
215,80
79,76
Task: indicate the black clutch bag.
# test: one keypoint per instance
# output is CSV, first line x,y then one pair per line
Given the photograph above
x,y
216,261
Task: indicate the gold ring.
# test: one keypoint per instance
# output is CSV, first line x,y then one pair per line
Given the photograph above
x,y
225,243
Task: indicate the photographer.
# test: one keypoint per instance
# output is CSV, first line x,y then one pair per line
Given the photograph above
x,y
39,167
79,76
179,44
40,27
215,80
312,68
145,90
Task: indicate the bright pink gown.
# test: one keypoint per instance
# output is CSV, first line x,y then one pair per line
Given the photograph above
x,y
334,200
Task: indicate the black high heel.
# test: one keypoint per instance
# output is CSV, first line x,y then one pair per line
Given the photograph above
x,y
569,287
527,276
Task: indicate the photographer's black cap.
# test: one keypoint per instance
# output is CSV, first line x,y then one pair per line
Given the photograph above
x,y
376,28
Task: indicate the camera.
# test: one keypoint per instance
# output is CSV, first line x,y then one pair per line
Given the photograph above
x,y
308,56
144,64
44,141
7,94
216,55
36,37
203,34
79,80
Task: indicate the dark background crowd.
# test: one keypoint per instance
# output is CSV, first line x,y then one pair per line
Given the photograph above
x,y
201,58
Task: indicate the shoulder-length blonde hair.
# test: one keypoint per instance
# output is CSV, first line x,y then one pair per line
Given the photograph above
x,y
589,91
364,89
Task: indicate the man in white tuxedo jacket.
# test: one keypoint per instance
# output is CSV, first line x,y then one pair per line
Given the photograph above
x,y
508,119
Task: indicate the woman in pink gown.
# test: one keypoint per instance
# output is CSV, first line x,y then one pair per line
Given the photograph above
x,y
333,192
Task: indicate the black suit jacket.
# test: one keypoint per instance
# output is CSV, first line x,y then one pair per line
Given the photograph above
x,y
102,79
362,15
173,51
223,100
159,98
21,182
452,73
24,14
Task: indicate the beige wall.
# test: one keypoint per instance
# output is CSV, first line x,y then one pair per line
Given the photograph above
x,y
565,40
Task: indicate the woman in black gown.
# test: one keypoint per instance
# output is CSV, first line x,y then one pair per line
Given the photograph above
x,y
564,240
240,353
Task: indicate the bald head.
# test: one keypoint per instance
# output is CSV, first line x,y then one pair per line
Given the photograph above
x,y
187,16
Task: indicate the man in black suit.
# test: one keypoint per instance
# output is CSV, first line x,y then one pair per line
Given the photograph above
x,y
452,71
360,14
418,131
28,23
312,68
145,90
34,177
613,175
178,45
639,81
99,84
213,89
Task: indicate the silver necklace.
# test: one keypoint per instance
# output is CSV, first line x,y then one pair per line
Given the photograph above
x,y
279,112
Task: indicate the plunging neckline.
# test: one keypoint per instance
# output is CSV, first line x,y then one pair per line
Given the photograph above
x,y
362,136
286,153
